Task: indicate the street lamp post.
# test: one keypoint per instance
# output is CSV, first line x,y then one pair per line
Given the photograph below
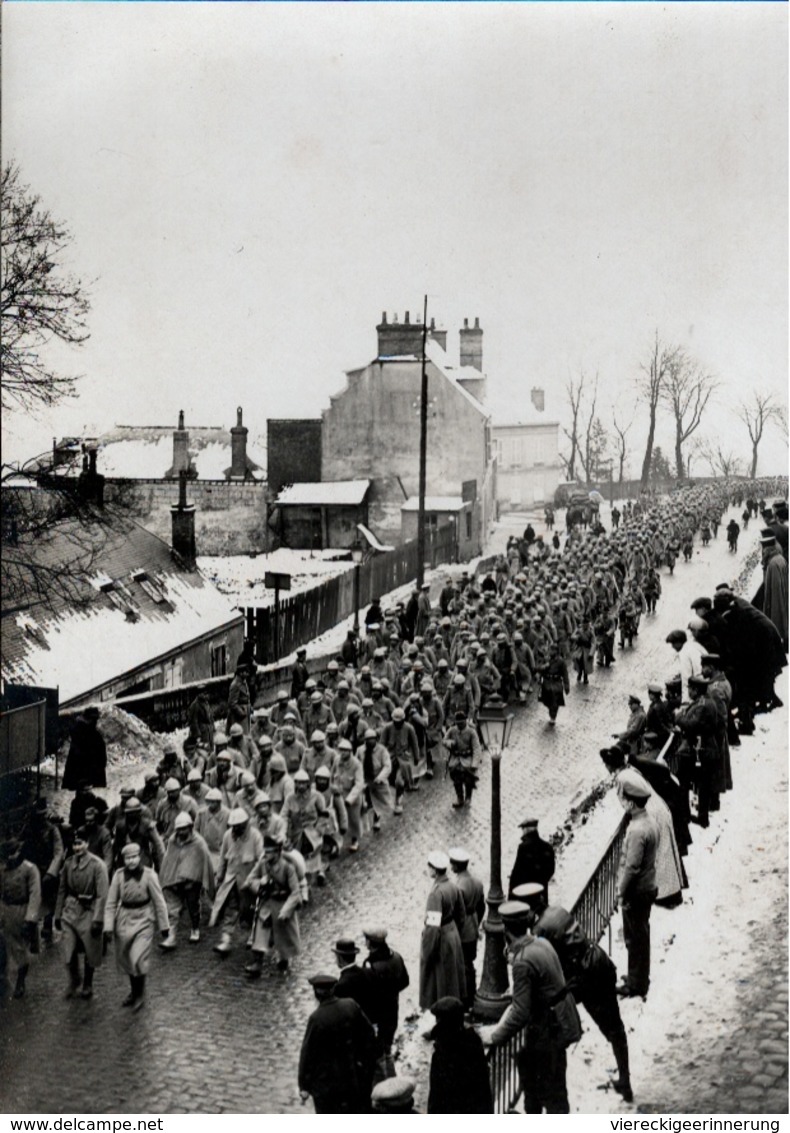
x,y
492,996
357,552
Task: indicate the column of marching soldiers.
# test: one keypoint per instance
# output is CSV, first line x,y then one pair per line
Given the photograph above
x,y
248,818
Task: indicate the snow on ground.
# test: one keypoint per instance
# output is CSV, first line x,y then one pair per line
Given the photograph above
x,y
241,576
701,950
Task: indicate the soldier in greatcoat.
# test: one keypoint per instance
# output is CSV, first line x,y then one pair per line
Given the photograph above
x,y
135,907
303,811
186,873
474,904
239,705
136,828
376,772
241,848
212,823
79,911
20,902
441,956
275,883
463,758
42,845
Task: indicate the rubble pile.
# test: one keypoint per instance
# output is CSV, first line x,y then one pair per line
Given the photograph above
x,y
129,740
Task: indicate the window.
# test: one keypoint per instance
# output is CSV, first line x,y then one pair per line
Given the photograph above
x,y
219,660
151,587
431,521
468,514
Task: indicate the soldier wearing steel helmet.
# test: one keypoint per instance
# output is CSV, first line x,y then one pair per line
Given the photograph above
x,y
241,848
187,872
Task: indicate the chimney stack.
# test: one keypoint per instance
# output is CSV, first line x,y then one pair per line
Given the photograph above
x,y
438,335
183,520
238,449
538,397
399,338
90,484
471,351
180,447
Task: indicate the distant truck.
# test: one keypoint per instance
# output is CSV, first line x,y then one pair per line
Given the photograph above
x,y
566,489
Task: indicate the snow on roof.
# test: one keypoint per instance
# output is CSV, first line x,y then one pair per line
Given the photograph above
x,y
372,540
435,503
327,493
435,354
153,608
145,452
241,577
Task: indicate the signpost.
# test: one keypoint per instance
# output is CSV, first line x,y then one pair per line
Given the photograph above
x,y
272,580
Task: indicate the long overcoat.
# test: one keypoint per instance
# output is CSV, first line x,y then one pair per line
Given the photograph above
x,y
442,970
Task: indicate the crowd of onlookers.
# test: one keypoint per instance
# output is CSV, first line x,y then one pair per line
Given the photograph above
x,y
253,809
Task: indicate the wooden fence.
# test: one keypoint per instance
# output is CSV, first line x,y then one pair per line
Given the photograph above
x,y
306,616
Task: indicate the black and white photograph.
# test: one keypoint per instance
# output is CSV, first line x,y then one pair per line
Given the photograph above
x,y
394,568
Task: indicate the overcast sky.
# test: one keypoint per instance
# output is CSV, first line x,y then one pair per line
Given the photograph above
x,y
249,186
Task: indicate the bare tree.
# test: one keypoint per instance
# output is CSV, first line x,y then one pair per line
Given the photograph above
x,y
39,301
757,411
721,461
650,387
54,529
687,391
574,391
621,443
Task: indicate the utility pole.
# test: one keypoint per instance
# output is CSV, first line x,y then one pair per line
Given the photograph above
x,y
423,449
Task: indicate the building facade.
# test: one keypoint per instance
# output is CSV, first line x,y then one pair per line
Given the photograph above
x,y
371,429
528,460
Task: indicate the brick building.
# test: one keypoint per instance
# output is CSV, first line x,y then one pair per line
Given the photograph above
x,y
226,469
371,430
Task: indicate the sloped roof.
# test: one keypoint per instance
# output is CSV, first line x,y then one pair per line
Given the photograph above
x,y
435,503
327,493
438,357
80,642
145,452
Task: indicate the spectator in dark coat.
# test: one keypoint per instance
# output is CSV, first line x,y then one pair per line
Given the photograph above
x,y
388,979
534,859
460,1081
87,758
338,1051
201,720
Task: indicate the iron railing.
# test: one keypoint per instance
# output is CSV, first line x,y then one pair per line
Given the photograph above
x,y
593,909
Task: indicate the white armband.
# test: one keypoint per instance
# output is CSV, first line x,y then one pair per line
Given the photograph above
x,y
433,919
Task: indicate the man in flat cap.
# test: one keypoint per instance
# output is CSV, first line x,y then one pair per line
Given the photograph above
x,y
540,1004
441,956
535,859
338,1051
389,978
636,888
658,719
631,738
394,1095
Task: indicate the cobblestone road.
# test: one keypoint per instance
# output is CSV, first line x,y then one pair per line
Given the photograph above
x,y
209,1041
